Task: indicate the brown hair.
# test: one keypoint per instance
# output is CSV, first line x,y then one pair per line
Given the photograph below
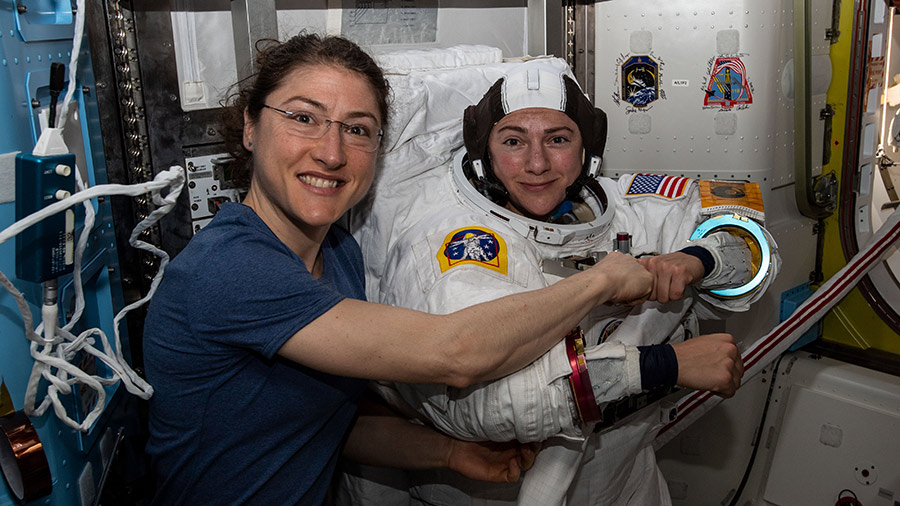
x,y
275,62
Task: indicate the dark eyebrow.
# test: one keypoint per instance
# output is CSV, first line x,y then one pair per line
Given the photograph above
x,y
313,103
522,130
321,108
558,129
514,128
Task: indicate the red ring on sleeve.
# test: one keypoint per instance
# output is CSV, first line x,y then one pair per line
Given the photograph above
x,y
580,381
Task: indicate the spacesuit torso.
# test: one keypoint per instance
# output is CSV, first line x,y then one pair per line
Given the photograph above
x,y
468,250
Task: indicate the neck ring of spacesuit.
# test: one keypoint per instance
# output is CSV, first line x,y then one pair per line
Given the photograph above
x,y
594,193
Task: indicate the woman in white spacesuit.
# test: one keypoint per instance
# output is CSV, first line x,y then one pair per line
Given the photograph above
x,y
519,199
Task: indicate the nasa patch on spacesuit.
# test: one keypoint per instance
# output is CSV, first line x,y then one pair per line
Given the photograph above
x,y
473,245
655,185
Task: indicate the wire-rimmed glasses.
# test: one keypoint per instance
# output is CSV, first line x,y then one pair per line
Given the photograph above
x,y
363,135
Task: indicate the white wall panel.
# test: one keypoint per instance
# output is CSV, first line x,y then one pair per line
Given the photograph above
x,y
840,433
204,39
753,139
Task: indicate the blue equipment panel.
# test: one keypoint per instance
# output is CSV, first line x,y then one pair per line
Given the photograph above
x,y
32,37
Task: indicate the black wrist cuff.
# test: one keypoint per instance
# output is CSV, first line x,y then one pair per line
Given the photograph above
x,y
702,254
659,366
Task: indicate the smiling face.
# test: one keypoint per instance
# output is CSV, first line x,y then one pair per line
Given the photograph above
x,y
536,153
304,185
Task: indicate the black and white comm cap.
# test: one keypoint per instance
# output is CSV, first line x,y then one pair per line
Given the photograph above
x,y
535,83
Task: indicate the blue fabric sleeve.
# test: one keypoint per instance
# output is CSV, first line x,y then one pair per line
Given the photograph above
x,y
709,263
659,366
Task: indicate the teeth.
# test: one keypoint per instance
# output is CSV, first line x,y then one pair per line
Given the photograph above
x,y
319,182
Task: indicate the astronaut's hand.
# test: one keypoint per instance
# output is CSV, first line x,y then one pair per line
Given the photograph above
x,y
491,461
710,362
672,272
629,282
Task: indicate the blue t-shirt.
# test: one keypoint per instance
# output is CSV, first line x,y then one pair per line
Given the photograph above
x,y
231,422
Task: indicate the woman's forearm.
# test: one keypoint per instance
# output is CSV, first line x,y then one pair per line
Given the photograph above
x,y
526,325
481,342
387,440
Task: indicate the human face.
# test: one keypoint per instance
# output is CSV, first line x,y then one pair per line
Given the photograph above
x,y
536,154
302,184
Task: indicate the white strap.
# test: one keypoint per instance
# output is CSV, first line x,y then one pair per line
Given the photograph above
x,y
765,350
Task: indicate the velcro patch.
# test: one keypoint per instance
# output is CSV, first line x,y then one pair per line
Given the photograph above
x,y
669,187
744,198
473,246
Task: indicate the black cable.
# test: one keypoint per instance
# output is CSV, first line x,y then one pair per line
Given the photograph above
x,y
57,81
113,455
759,431
841,499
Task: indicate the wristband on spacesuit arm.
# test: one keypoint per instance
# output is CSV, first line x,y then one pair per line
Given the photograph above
x,y
580,381
702,254
659,366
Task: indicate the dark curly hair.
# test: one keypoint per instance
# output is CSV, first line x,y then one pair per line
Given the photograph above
x,y
274,62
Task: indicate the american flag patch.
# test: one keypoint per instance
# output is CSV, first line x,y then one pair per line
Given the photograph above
x,y
670,187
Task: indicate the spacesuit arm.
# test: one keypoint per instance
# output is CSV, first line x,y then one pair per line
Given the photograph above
x,y
532,404
663,225
734,267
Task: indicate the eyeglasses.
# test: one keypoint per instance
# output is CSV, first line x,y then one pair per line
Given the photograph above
x,y
364,136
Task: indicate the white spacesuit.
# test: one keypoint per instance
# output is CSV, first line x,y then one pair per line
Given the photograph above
x,y
465,249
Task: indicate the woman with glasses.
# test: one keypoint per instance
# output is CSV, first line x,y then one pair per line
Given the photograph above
x,y
254,399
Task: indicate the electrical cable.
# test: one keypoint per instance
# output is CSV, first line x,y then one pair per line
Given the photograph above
x,y
55,350
73,61
758,438
57,80
52,348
